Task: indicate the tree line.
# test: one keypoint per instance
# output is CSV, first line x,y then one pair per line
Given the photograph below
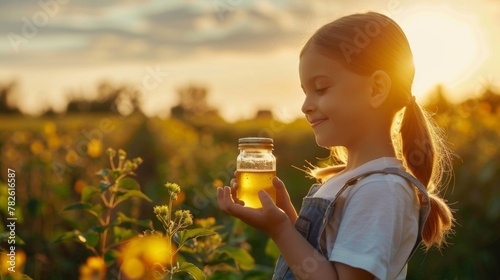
x,y
193,101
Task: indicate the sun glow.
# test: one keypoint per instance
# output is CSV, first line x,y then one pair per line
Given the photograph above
x,y
446,47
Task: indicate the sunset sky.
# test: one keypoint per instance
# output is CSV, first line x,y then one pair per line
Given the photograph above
x,y
245,52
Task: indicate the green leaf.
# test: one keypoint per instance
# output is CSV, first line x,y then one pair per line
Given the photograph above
x,y
132,193
116,222
102,172
221,258
19,240
70,235
271,249
88,192
111,256
241,256
16,277
104,186
96,210
116,173
78,206
126,219
5,238
91,238
192,270
97,229
187,234
121,233
129,184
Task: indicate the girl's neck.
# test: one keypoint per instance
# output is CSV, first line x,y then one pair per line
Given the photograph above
x,y
366,151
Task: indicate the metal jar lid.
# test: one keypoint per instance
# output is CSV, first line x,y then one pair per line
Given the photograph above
x,y
256,141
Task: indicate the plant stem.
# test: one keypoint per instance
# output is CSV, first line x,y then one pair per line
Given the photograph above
x,y
93,250
170,234
104,235
104,200
111,161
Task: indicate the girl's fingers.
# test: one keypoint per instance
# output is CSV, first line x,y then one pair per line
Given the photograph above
x,y
281,190
220,199
234,192
224,198
265,199
283,199
227,194
279,185
234,187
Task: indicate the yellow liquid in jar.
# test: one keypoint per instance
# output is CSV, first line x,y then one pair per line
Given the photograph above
x,y
251,182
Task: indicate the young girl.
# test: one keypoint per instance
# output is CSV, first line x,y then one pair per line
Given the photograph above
x,y
368,214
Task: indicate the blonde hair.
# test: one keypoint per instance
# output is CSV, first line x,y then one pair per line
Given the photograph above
x,y
417,140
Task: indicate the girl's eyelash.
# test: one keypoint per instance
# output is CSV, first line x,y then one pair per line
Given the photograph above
x,y
320,90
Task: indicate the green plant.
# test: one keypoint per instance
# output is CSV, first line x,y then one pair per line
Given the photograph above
x,y
218,254
115,188
175,224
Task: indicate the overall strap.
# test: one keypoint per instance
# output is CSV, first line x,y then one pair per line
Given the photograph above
x,y
422,195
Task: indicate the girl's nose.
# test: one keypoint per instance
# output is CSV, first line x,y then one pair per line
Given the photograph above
x,y
308,106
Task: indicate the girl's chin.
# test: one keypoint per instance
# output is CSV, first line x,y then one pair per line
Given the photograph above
x,y
330,139
322,142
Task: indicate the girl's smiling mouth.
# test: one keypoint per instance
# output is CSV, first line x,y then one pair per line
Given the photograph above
x,y
316,122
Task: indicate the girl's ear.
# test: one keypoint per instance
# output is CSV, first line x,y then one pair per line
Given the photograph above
x,y
381,86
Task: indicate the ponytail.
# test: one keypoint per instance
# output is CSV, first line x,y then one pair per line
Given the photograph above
x,y
427,157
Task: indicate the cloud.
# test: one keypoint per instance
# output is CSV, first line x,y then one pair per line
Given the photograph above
x,y
124,30
53,45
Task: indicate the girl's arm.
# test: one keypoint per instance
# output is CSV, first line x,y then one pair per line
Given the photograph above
x,y
304,260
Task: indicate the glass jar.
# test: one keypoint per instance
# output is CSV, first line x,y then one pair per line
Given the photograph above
x,y
256,168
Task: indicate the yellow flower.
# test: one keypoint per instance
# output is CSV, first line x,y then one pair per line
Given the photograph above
x,y
79,185
36,147
173,188
133,268
72,157
20,137
218,183
54,142
11,154
94,148
144,253
19,259
49,128
93,269
205,223
161,210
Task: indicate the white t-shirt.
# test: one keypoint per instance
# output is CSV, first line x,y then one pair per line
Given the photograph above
x,y
375,222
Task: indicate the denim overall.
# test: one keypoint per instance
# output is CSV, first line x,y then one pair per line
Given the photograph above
x,y
316,212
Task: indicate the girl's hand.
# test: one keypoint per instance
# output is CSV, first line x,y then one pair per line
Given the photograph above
x,y
269,219
283,200
282,197
234,190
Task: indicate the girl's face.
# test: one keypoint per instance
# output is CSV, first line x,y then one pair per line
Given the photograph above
x,y
336,103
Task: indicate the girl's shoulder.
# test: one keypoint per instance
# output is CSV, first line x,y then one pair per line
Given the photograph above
x,y
384,186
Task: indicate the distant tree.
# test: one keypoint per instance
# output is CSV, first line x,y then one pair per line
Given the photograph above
x,y
491,96
193,102
122,99
264,114
488,100
437,101
6,91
